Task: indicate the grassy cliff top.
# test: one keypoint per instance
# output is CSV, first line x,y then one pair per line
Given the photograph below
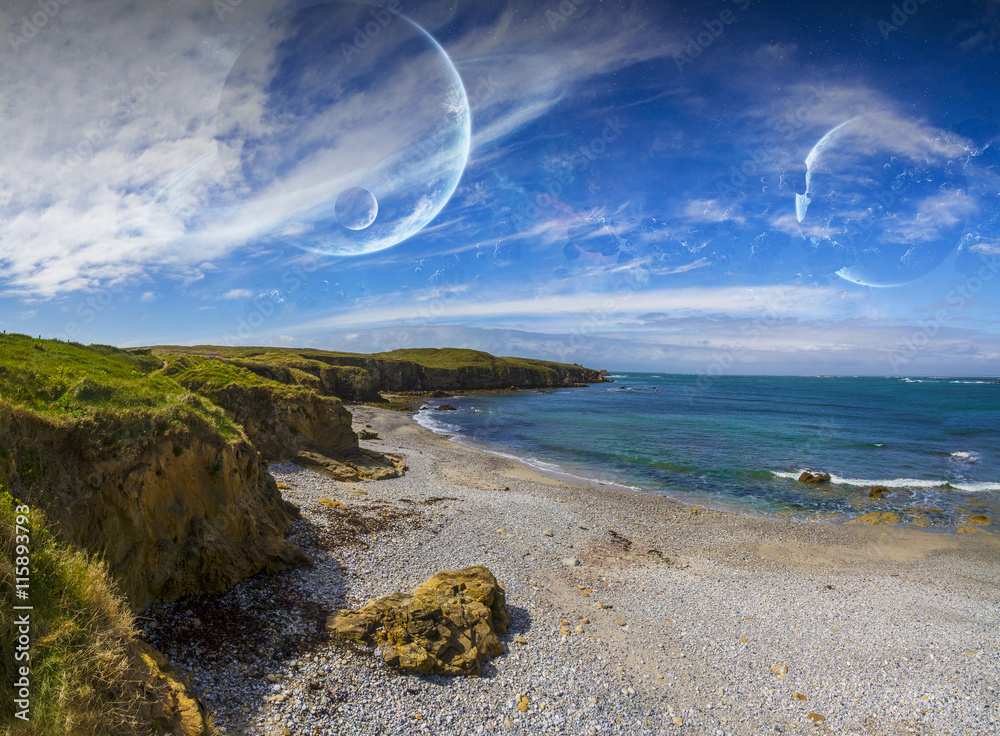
x,y
446,358
116,390
112,388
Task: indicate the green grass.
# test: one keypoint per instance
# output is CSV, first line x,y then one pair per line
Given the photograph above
x,y
82,679
448,358
456,358
207,376
356,376
118,395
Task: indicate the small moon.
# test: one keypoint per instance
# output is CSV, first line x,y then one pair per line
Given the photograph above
x,y
356,208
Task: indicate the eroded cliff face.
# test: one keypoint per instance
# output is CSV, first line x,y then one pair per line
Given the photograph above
x,y
306,428
280,425
185,513
362,379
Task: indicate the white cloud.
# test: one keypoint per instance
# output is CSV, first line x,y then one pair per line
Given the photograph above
x,y
624,306
238,294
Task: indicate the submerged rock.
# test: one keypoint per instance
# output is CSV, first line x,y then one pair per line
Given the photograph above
x,y
878,492
448,625
889,518
814,479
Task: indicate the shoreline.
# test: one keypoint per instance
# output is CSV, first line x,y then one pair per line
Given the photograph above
x,y
722,505
682,611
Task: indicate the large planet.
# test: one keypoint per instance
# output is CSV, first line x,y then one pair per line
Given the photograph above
x,y
887,196
343,128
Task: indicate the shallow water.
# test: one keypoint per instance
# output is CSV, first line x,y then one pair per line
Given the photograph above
x,y
743,441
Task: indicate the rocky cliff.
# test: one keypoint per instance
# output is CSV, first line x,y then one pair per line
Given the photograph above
x,y
355,377
285,422
184,511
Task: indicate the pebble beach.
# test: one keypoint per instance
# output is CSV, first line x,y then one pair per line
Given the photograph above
x,y
630,613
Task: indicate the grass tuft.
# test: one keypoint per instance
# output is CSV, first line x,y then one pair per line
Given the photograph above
x,y
82,679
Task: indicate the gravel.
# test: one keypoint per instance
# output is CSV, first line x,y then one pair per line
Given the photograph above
x,y
675,619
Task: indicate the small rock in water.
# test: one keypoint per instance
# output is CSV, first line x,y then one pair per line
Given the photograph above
x,y
571,562
878,492
888,518
814,479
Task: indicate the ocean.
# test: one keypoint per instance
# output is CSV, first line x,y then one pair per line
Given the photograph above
x,y
741,442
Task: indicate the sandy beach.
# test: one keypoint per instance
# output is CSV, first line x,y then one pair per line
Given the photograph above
x,y
641,615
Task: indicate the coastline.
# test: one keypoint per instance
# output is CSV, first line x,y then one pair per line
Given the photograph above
x,y
687,608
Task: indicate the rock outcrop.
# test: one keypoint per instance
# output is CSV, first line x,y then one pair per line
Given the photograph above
x,y
169,704
180,509
280,423
448,625
290,422
878,492
359,465
814,479
364,378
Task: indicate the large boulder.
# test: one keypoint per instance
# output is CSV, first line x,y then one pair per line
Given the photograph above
x,y
448,625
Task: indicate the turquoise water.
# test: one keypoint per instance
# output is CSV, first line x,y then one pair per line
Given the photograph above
x,y
743,441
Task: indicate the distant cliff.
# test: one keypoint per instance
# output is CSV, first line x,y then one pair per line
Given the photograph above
x,y
358,377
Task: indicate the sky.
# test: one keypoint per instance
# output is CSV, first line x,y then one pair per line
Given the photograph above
x,y
716,187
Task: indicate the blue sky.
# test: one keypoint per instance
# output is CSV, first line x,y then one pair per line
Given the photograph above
x,y
701,187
